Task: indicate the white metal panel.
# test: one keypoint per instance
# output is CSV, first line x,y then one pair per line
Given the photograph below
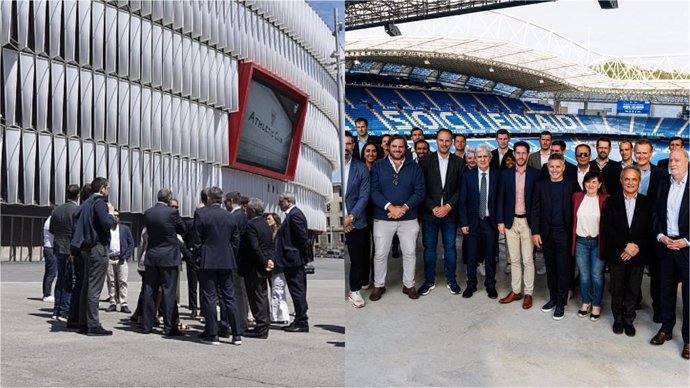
x,y
12,151
167,174
97,35
145,8
203,132
137,187
125,175
219,83
86,93
168,12
218,138
60,171
6,21
29,144
156,112
186,58
147,187
88,161
40,12
70,29
157,56
22,23
167,65
123,44
42,91
145,118
111,103
178,15
176,126
225,142
135,48
157,175
156,10
166,123
101,156
54,20
196,70
110,40
197,18
188,16
177,63
74,161
57,86
185,131
194,130
26,70
212,77
123,116
204,68
84,14
114,175
99,107
135,5
134,115
72,97
146,45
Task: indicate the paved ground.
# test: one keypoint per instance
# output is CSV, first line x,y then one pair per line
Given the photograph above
x,y
39,352
445,340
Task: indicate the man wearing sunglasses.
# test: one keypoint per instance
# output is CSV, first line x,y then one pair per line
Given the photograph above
x,y
583,155
397,189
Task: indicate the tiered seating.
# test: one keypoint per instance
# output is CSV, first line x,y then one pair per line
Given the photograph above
x,y
443,100
670,126
468,102
357,95
515,105
388,97
491,102
539,107
417,99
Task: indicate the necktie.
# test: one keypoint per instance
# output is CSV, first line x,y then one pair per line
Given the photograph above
x,y
482,197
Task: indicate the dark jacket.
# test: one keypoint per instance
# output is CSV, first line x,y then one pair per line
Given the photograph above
x,y
256,247
218,237
435,192
505,208
163,224
617,234
292,240
611,174
358,190
240,218
494,159
61,226
126,242
469,197
91,224
570,173
656,177
409,189
371,139
660,208
541,207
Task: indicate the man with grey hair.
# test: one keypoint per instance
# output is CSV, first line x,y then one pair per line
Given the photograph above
x,y
292,245
163,257
255,263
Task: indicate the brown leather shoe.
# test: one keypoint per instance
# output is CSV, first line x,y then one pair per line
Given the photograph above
x,y
376,293
660,338
512,297
527,303
410,292
686,351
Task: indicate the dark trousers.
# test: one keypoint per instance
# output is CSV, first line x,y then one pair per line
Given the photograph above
x,y
95,269
50,272
165,277
558,266
62,296
357,242
73,317
192,288
257,293
215,282
674,266
296,280
480,245
626,283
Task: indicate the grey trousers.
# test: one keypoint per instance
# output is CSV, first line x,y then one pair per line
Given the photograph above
x,y
95,268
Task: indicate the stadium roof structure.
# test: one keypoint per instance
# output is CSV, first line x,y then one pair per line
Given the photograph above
x,y
521,66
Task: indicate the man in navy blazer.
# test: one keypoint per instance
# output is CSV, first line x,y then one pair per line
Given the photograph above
x,y
292,250
513,211
218,235
355,178
163,257
477,207
233,203
442,173
363,137
671,227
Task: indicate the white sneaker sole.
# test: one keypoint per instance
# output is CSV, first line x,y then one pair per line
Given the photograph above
x,y
547,310
428,291
357,305
451,291
555,318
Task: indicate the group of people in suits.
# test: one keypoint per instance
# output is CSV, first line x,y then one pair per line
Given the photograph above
x,y
599,212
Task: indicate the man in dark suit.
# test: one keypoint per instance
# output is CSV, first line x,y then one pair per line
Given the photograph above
x,y
218,239
363,137
292,243
355,178
442,174
79,269
233,203
498,156
610,169
477,207
163,257
674,143
570,172
671,228
626,227
255,263
583,155
513,211
551,224
61,228
121,250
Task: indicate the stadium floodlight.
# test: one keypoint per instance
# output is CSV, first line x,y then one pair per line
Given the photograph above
x,y
608,4
392,29
491,70
426,61
357,62
541,81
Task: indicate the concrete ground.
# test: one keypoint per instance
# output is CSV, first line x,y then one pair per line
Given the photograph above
x,y
37,351
446,340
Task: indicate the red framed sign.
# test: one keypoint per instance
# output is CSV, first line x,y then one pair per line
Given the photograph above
x,y
266,131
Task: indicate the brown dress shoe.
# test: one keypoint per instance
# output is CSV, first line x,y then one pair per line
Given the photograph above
x,y
660,338
527,303
410,292
686,351
512,297
376,293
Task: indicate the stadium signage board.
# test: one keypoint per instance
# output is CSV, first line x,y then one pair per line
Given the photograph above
x,y
266,131
635,107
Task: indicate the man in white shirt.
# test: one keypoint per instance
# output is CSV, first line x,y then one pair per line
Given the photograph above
x,y
121,249
50,263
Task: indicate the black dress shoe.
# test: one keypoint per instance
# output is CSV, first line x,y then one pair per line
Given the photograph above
x,y
618,327
492,293
125,309
98,331
661,337
256,334
630,330
297,328
469,291
111,308
82,330
175,333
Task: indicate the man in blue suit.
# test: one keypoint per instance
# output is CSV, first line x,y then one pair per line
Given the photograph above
x,y
355,178
513,210
163,257
292,250
218,239
477,208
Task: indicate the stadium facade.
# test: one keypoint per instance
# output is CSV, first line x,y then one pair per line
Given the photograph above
x,y
142,92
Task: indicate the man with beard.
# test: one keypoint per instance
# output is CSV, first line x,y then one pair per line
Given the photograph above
x,y
610,170
539,158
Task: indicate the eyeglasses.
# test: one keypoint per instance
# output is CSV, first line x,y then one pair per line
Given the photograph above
x,y
396,179
582,155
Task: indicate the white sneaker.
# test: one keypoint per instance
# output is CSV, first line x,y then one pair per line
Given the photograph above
x,y
355,297
49,299
481,269
366,286
62,319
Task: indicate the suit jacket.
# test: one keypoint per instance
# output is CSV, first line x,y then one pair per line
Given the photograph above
x,y
256,248
61,226
292,240
611,174
578,197
469,198
126,242
494,159
534,160
617,233
541,207
355,152
240,218
657,176
570,173
506,195
435,192
218,234
663,163
163,224
357,195
660,209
